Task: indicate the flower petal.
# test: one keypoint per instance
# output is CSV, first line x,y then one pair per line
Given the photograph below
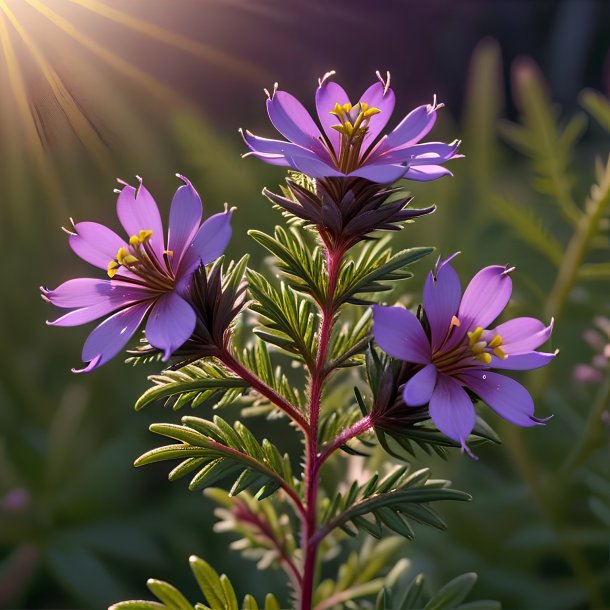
x,y
313,166
79,292
95,243
452,410
184,219
522,334
430,153
419,388
328,94
485,297
137,211
209,243
379,96
278,160
442,293
413,127
427,173
399,333
274,147
171,323
383,174
293,121
108,338
508,398
523,361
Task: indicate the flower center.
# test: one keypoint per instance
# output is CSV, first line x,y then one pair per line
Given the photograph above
x,y
353,125
140,259
477,346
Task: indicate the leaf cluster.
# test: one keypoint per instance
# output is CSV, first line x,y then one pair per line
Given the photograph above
x,y
215,450
218,593
451,596
391,502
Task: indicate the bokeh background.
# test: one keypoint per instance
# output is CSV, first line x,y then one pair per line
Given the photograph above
x,y
95,89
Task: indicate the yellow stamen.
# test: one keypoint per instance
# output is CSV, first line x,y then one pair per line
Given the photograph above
x,y
500,353
121,254
129,260
370,112
475,335
112,269
478,347
145,235
496,341
455,321
134,241
484,357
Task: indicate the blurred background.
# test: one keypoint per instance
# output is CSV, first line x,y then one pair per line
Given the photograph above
x,y
92,90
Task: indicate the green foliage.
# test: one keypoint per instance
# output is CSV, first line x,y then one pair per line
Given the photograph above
x,y
364,573
541,140
218,593
215,450
300,262
257,358
450,597
264,529
350,340
372,269
200,383
391,502
289,319
598,106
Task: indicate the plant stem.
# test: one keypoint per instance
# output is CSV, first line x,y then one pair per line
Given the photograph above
x,y
360,427
592,432
262,388
312,460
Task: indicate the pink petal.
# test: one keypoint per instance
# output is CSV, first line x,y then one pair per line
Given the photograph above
x,y
378,96
108,338
419,388
95,243
137,211
521,334
442,293
485,297
399,333
328,94
508,398
452,410
184,220
171,323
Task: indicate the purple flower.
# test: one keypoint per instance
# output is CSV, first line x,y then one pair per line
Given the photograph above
x,y
350,145
148,276
459,350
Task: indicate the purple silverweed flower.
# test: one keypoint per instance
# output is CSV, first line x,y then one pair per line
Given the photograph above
x,y
147,275
350,146
459,350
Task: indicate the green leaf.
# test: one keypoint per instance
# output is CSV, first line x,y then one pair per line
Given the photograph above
x,y
289,320
301,264
539,138
529,228
393,502
215,450
168,595
199,383
372,269
349,342
453,593
598,105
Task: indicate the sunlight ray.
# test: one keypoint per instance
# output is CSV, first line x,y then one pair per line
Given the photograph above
x,y
244,68
81,125
112,59
33,142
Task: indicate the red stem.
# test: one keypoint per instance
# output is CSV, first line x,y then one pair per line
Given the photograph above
x,y
360,427
262,388
309,545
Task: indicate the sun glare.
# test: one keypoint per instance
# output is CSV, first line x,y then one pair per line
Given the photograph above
x,y
44,46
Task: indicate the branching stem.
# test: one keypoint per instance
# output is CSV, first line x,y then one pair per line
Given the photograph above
x,y
263,389
312,460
